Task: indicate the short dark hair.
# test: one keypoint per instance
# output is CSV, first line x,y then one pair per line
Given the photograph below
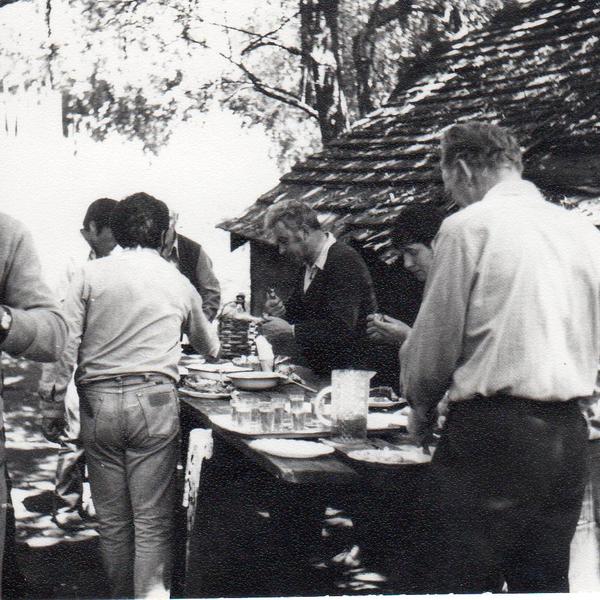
x,y
99,212
140,220
293,214
480,145
417,224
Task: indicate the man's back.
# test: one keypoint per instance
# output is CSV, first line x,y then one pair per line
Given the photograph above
x,y
532,326
135,306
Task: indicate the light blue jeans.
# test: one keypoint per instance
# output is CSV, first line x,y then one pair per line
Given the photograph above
x,y
130,432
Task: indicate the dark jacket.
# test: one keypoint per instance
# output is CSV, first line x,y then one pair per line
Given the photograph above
x,y
330,319
195,264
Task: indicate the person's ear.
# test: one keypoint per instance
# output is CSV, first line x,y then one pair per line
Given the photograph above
x,y
465,172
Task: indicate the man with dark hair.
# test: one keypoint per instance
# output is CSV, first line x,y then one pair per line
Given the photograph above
x,y
326,313
68,510
126,313
414,231
510,326
192,260
30,326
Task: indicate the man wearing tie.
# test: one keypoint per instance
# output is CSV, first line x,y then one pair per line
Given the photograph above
x,y
326,313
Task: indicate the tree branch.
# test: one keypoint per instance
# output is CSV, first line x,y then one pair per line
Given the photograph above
x,y
273,92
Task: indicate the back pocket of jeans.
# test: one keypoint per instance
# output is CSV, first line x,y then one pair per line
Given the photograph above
x,y
160,410
90,411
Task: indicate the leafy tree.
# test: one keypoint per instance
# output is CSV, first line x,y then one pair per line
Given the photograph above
x,y
302,69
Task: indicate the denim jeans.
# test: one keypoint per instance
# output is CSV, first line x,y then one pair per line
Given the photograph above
x,y
130,432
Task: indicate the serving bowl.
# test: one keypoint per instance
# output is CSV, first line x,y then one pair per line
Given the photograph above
x,y
254,380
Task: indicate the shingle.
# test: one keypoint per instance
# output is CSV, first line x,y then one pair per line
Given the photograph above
x,y
534,70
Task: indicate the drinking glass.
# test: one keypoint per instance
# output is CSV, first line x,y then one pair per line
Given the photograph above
x,y
244,411
255,414
278,402
267,416
298,410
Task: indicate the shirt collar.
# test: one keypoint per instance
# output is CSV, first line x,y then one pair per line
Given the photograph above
x,y
511,187
322,257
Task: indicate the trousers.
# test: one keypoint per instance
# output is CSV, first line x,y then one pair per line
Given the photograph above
x,y
130,432
70,468
511,474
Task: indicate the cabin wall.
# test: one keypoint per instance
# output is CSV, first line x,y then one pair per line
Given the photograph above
x,y
269,269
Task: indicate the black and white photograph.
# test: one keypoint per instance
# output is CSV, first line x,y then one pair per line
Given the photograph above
x,y
299,298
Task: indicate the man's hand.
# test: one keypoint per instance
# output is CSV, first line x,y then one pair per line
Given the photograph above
x,y
53,428
386,330
420,429
53,419
276,328
274,307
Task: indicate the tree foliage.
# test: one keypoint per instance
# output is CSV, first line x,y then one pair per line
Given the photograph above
x,y
302,69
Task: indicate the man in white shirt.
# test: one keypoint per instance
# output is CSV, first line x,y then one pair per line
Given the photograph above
x,y
510,326
126,313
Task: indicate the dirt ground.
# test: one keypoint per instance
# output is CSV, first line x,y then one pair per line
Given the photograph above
x,y
58,564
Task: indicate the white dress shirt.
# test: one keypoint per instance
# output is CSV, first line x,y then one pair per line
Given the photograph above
x,y
319,264
512,304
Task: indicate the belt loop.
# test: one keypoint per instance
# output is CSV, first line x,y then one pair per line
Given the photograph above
x,y
118,379
146,377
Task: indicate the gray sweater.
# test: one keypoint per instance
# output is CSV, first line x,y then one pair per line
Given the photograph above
x,y
38,330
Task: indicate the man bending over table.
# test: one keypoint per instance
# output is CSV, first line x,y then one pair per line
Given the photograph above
x,y
326,313
510,325
126,313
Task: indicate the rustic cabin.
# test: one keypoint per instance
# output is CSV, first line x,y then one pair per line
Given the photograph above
x,y
534,69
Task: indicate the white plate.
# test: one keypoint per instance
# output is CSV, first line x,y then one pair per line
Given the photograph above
x,y
205,395
391,456
386,403
215,371
290,448
385,420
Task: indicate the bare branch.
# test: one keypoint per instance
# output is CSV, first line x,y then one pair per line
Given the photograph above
x,y
255,45
276,93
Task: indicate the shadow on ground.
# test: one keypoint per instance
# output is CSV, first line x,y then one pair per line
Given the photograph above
x,y
55,563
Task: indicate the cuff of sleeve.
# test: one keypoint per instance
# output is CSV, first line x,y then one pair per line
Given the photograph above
x,y
21,334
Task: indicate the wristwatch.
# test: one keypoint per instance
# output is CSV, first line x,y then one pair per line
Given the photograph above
x,y
5,322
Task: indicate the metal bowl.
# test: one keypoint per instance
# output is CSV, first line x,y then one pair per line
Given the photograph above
x,y
254,380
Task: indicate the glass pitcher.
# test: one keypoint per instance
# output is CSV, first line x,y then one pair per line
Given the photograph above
x,y
349,391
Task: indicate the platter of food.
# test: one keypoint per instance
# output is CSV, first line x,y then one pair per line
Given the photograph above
x,y
290,448
208,389
384,397
392,456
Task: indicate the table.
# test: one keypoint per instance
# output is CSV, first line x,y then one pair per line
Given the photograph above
x,y
263,514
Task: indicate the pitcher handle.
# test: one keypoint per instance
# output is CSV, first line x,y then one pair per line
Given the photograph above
x,y
318,406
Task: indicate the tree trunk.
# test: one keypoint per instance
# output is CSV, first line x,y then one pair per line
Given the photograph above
x,y
321,65
363,48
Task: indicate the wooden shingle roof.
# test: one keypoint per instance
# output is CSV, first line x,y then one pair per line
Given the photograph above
x,y
535,70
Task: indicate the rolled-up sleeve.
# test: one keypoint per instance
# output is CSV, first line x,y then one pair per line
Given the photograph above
x,y
209,287
431,353
38,329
